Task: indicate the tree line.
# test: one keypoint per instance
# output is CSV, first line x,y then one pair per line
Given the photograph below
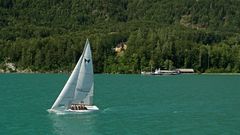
x,y
49,35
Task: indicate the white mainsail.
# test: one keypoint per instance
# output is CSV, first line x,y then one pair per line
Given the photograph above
x,y
79,87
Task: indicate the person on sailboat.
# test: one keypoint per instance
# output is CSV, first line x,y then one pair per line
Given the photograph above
x,y
75,107
71,107
79,107
82,106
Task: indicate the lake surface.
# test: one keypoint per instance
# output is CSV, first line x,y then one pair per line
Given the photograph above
x,y
129,105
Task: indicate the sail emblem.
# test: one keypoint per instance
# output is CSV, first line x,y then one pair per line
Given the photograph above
x,y
79,89
87,60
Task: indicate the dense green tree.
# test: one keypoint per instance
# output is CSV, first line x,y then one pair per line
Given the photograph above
x,y
49,35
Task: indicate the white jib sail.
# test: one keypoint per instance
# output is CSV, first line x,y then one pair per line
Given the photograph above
x,y
79,87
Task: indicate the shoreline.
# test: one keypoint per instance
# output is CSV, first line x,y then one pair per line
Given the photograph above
x,y
220,73
31,72
62,72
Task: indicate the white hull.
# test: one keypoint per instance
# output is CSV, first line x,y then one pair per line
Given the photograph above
x,y
69,111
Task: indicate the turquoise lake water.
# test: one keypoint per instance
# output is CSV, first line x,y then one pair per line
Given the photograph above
x,y
129,105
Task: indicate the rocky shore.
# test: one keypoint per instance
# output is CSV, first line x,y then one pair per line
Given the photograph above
x,y
11,68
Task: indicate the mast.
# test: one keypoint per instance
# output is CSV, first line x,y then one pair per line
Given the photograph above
x,y
84,88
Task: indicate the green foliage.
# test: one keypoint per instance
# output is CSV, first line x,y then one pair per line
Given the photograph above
x,y
49,35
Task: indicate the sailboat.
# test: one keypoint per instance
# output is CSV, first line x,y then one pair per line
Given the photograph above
x,y
77,94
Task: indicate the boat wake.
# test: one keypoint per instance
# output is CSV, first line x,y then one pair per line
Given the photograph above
x,y
51,111
106,110
143,109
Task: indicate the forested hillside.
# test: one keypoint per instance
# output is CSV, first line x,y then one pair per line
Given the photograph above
x,y
49,35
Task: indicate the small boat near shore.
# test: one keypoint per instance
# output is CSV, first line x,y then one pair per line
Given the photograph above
x,y
165,72
169,72
161,72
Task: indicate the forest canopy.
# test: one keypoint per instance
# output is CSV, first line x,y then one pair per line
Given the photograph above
x,y
49,35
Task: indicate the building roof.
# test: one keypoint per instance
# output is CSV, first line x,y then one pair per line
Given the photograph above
x,y
189,70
